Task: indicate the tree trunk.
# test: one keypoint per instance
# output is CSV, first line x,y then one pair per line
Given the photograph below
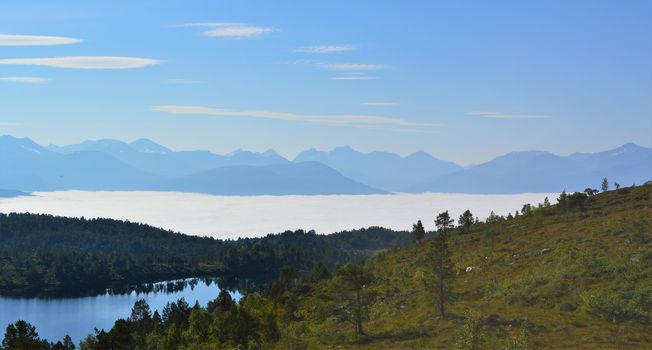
x,y
441,297
358,314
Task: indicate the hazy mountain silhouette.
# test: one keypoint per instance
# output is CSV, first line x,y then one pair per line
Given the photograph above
x,y
156,159
307,178
535,171
146,165
12,193
384,170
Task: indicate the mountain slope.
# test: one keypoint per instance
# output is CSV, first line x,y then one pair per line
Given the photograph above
x,y
11,193
554,279
307,178
384,170
34,168
145,165
520,172
154,158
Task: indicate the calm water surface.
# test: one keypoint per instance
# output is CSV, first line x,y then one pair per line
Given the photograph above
x,y
79,316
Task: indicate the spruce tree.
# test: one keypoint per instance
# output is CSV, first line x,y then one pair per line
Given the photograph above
x,y
418,232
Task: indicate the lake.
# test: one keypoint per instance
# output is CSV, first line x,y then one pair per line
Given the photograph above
x,y
79,316
252,216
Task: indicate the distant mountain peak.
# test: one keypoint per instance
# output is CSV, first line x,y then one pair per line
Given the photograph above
x,y
149,146
344,149
420,154
270,153
236,152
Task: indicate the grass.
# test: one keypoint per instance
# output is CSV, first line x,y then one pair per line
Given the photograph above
x,y
580,279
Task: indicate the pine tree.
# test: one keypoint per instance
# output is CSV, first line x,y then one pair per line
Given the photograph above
x,y
546,202
605,185
440,261
352,281
21,335
418,232
562,201
466,221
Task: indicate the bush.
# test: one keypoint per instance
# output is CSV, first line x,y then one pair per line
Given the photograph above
x,y
472,335
607,306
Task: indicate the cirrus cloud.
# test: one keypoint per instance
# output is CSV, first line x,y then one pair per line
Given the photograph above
x,y
501,115
379,104
231,30
341,120
325,49
354,67
25,80
356,77
35,40
83,62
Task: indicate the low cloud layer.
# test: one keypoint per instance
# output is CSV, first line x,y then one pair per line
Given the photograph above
x,y
343,120
83,62
196,213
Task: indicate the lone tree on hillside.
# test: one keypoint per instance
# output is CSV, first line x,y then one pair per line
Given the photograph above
x,y
351,283
562,201
440,260
605,185
466,221
418,232
546,202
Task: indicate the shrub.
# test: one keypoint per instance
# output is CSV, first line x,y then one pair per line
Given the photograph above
x,y
607,306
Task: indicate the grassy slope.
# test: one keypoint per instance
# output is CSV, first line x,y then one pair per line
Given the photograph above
x,y
513,282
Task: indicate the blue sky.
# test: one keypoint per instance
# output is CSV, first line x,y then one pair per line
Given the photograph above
x,y
463,80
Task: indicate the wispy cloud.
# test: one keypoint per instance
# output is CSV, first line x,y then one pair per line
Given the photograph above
x,y
231,30
7,124
354,67
356,77
501,115
325,49
24,80
379,104
35,40
83,62
342,120
182,81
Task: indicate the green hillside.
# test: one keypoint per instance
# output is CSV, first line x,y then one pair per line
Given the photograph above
x,y
577,278
576,275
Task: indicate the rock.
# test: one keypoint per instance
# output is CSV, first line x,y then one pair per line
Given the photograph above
x,y
545,251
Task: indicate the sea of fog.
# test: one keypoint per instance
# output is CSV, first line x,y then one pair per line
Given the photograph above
x,y
251,216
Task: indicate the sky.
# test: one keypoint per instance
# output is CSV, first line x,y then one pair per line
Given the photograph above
x,y
463,80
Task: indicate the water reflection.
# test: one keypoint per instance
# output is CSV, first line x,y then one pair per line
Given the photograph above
x,y
79,316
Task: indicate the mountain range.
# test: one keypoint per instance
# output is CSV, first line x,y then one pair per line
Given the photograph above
x,y
146,165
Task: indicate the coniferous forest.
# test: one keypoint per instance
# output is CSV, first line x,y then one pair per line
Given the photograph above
x,y
55,256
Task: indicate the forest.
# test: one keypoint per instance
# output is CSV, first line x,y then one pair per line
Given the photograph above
x,y
44,255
